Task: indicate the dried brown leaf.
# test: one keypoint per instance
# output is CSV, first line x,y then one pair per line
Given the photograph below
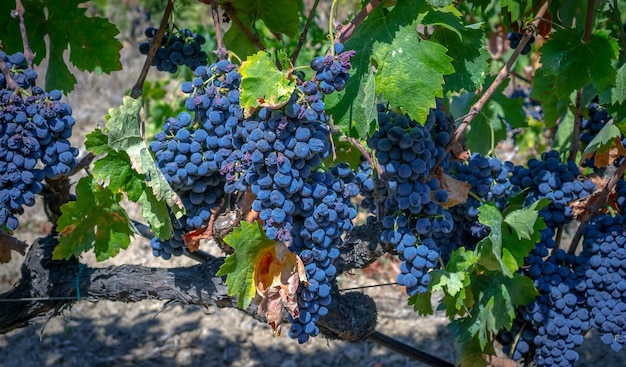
x,y
278,275
495,361
458,191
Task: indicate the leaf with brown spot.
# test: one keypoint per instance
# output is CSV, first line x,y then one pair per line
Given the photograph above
x,y
9,243
278,275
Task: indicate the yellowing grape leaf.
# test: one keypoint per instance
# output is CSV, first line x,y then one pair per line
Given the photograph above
x,y
262,84
251,245
278,275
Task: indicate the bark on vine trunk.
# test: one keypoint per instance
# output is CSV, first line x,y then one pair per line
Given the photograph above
x,y
48,285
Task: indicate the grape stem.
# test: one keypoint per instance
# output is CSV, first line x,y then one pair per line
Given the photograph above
x,y
154,46
231,14
357,144
577,120
305,31
221,51
502,75
346,32
11,83
595,205
331,22
589,20
28,53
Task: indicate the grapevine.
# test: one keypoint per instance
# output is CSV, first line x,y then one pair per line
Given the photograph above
x,y
272,145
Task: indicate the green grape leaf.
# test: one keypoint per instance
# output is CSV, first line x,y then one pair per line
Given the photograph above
x,y
361,112
514,8
124,128
440,3
496,297
95,220
486,127
521,232
523,220
454,280
470,354
572,63
262,84
399,63
115,170
421,303
94,50
281,16
381,27
250,244
490,247
509,109
618,93
554,107
238,43
469,58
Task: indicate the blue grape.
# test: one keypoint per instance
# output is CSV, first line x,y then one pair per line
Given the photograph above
x,y
181,47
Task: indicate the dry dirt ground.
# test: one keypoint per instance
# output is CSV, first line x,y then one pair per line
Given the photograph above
x,y
138,334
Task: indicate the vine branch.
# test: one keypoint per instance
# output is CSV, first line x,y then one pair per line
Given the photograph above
x,y
346,32
136,92
502,75
589,20
595,205
577,121
303,34
254,39
47,285
19,12
221,51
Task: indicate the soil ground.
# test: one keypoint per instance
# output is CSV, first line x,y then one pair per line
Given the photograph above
x,y
143,334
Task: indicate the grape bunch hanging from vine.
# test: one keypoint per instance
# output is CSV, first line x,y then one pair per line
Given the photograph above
x,y
526,244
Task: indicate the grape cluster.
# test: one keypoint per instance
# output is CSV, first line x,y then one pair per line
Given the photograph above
x,y
316,236
181,47
194,149
18,68
34,127
332,71
515,38
558,315
213,150
605,247
556,181
488,178
412,211
284,148
441,126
